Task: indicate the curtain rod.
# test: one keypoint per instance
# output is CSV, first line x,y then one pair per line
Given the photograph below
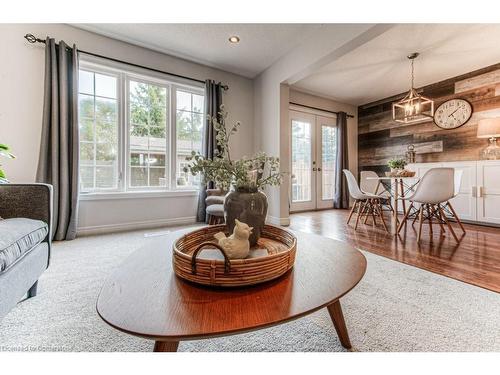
x,y
319,109
32,39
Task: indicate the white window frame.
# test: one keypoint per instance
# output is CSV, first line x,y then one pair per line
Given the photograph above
x,y
109,72
125,73
173,153
127,171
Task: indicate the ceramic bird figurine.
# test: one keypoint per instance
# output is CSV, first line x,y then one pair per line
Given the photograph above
x,y
236,245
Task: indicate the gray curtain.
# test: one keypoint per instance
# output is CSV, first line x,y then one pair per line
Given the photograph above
x,y
341,197
213,101
58,160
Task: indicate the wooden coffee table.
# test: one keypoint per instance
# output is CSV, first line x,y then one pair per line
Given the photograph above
x,y
144,297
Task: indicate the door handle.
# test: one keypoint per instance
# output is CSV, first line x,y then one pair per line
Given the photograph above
x,y
319,169
314,169
479,191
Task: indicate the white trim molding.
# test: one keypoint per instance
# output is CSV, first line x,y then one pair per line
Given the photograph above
x,y
149,224
281,221
137,195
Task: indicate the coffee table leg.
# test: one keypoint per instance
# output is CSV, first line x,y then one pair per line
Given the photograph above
x,y
166,346
338,322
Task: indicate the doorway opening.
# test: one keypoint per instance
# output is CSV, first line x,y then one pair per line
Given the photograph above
x,y
313,160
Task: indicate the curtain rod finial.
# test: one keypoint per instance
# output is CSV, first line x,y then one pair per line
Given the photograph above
x,y
33,39
30,38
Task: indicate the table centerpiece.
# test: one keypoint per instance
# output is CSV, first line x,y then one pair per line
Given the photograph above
x,y
244,178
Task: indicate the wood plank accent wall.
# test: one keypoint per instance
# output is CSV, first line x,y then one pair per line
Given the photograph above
x,y
380,138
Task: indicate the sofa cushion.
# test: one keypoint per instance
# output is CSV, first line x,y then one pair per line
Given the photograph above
x,y
17,237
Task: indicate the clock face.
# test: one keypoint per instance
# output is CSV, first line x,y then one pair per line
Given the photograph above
x,y
453,113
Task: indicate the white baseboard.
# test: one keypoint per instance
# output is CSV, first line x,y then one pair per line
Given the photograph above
x,y
282,221
148,224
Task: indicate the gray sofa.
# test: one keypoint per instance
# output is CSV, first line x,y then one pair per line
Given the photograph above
x,y
25,240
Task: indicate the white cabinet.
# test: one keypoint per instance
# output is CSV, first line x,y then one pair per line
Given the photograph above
x,y
488,191
465,202
479,195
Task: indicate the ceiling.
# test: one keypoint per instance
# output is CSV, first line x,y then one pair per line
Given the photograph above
x,y
380,69
259,47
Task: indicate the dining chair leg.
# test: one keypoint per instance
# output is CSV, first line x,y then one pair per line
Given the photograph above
x,y
447,223
373,212
438,216
378,208
405,218
390,206
402,194
361,208
415,218
429,218
456,216
368,208
352,211
420,219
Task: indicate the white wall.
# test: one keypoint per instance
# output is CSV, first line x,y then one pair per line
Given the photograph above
x,y
21,101
329,43
303,98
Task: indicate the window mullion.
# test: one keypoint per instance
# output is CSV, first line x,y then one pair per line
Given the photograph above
x,y
173,138
122,129
94,156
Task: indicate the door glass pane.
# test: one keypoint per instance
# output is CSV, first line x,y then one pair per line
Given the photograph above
x,y
301,161
328,151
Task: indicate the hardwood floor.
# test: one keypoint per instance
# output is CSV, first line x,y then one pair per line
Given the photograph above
x,y
474,260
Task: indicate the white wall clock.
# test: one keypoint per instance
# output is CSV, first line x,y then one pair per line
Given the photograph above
x,y
453,113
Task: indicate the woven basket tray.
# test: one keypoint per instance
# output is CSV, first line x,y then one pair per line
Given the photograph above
x,y
197,258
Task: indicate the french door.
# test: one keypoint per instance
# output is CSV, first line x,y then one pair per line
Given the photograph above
x,y
313,153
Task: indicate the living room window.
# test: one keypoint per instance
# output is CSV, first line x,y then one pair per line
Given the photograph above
x,y
189,120
136,129
98,106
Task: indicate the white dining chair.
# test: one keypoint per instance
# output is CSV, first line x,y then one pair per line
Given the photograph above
x,y
457,183
365,204
436,187
369,184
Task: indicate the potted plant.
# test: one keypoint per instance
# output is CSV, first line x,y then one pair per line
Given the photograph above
x,y
397,164
244,178
5,152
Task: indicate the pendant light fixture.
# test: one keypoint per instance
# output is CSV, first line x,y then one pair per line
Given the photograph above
x,y
413,107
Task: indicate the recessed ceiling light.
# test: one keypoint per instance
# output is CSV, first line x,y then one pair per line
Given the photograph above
x,y
234,39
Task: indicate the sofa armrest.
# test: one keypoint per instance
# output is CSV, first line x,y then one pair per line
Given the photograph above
x,y
32,201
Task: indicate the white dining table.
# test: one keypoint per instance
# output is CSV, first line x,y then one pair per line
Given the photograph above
x,y
396,183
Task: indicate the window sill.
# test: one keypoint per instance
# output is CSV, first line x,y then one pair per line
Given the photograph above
x,y
137,195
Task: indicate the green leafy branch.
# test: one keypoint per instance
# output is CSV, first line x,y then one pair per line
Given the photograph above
x,y
5,152
255,172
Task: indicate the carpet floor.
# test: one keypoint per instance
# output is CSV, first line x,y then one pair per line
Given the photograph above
x,y
394,308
